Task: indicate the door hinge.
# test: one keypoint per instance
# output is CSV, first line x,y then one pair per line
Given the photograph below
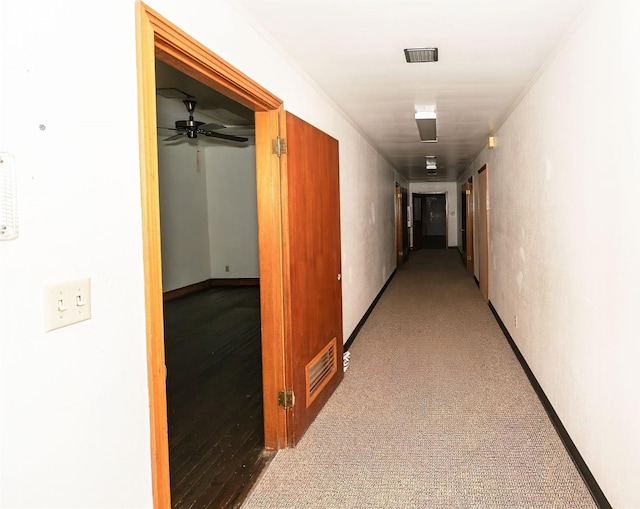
x,y
279,146
469,258
286,399
468,191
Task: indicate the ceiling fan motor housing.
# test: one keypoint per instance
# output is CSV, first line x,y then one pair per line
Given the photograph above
x,y
191,126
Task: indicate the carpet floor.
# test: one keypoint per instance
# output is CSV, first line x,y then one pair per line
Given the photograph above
x,y
434,411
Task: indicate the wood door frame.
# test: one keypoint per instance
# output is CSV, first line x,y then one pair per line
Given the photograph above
x,y
469,230
156,37
483,230
402,230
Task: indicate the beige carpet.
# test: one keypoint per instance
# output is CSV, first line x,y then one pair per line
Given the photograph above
x,y
434,412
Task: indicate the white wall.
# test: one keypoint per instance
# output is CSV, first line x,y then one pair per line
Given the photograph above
x,y
75,428
183,214
450,189
75,416
208,206
564,243
233,211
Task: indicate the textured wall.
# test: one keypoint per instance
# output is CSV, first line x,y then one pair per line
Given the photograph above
x,y
563,219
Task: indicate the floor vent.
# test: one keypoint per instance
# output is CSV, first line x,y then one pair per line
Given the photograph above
x,y
320,370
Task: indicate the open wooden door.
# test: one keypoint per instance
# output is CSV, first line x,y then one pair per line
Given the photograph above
x,y
313,287
402,229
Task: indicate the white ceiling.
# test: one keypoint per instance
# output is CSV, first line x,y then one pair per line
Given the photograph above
x,y
489,51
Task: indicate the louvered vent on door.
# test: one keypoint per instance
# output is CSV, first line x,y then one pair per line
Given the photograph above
x,y
320,370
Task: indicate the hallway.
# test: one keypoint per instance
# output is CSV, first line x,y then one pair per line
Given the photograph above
x,y
434,411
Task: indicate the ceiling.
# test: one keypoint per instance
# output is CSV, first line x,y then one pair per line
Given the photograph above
x,y
489,52
211,106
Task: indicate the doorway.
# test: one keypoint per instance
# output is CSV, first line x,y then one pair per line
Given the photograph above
x,y
159,39
483,231
429,221
286,411
209,235
402,225
466,218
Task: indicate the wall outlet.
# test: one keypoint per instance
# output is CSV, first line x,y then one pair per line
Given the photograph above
x,y
67,303
515,321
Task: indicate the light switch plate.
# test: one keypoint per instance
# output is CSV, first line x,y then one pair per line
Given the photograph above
x,y
67,303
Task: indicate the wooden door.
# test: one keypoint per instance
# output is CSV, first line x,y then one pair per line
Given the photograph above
x,y
405,223
468,221
313,286
483,231
402,230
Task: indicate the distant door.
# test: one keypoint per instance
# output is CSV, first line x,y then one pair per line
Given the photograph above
x,y
467,222
402,228
483,231
405,223
435,219
314,301
429,221
416,229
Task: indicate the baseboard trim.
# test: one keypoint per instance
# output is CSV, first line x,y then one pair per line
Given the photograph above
x,y
353,335
208,283
596,492
246,281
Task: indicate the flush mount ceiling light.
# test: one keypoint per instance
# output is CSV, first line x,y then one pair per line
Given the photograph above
x,y
430,163
417,55
426,121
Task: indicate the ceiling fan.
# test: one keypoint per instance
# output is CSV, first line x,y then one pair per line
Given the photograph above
x,y
192,128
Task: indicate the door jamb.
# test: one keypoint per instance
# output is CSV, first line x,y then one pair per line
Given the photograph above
x,y
156,37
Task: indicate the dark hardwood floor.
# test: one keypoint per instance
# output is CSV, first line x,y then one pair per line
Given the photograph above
x,y
214,396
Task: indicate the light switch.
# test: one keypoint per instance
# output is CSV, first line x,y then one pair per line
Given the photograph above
x,y
67,303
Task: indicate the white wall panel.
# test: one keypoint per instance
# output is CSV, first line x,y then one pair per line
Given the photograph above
x,y
562,242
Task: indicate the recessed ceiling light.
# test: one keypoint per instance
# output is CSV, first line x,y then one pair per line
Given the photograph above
x,y
416,55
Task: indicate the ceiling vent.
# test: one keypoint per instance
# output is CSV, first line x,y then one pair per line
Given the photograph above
x,y
417,55
426,121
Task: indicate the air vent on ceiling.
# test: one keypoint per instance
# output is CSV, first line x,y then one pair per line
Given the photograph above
x,y
416,55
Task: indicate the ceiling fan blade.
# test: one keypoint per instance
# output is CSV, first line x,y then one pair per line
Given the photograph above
x,y
212,127
175,136
222,136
